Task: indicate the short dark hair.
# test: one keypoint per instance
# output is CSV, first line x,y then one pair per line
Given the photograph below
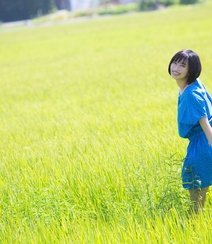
x,y
194,64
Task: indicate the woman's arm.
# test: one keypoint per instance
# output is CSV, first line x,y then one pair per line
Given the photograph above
x,y
206,128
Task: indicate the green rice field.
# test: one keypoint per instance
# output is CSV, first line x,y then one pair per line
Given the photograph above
x,y
89,148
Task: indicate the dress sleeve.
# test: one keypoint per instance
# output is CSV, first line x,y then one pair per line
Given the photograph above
x,y
194,110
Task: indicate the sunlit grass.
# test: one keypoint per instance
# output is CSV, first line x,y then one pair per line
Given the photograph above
x,y
89,146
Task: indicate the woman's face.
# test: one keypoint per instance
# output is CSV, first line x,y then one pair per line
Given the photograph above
x,y
179,70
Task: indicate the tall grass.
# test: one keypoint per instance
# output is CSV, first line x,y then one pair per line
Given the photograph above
x,y
89,146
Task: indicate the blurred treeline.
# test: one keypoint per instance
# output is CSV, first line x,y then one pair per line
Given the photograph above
x,y
14,10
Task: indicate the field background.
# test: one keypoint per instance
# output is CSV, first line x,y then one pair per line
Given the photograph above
x,y
89,145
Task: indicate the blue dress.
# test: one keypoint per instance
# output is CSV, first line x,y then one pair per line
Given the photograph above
x,y
193,104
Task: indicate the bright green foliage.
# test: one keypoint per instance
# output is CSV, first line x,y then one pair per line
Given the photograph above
x,y
147,5
188,1
89,145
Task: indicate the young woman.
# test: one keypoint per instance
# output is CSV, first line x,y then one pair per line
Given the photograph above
x,y
194,123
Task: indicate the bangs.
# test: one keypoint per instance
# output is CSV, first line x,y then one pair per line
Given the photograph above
x,y
180,58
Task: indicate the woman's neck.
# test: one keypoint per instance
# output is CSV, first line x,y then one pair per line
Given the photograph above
x,y
182,85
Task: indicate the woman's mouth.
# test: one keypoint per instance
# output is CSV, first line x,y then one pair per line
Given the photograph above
x,y
175,73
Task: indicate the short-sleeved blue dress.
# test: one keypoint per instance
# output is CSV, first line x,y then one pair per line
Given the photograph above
x,y
193,104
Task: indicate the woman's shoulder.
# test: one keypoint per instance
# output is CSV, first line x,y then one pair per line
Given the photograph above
x,y
198,83
195,91
196,87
